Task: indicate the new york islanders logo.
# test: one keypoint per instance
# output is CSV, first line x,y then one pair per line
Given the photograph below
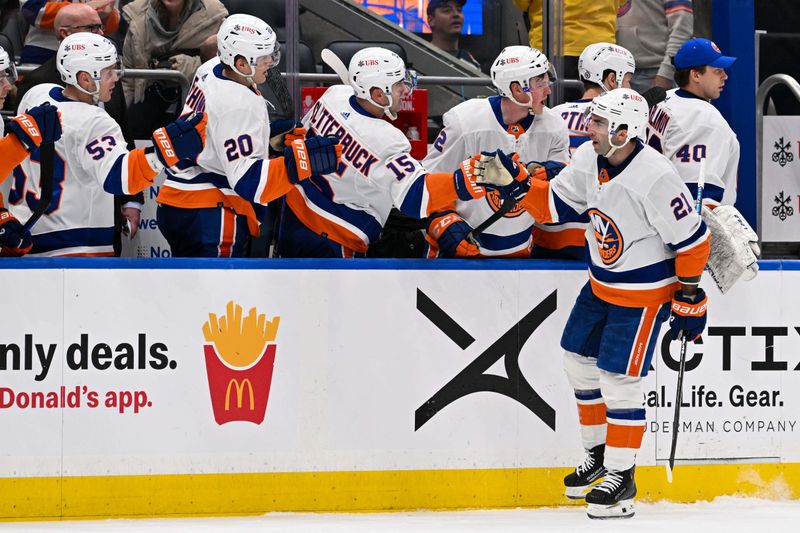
x,y
608,236
240,355
496,201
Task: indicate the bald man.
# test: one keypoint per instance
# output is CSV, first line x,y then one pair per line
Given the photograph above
x,y
77,18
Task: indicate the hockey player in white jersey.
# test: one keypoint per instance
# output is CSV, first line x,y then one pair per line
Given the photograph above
x,y
339,214
648,247
212,207
515,121
687,128
91,160
27,132
602,67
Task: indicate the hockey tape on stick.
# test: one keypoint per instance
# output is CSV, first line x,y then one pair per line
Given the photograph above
x,y
47,153
333,61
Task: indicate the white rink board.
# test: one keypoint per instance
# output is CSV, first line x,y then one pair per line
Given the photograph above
x,y
354,360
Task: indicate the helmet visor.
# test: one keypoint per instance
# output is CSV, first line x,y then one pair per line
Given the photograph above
x,y
9,74
545,80
409,80
270,60
115,71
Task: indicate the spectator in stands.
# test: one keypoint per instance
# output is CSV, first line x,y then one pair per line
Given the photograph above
x,y
584,23
654,30
79,18
171,34
41,43
446,18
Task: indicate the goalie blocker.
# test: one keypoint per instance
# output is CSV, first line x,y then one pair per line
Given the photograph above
x,y
734,247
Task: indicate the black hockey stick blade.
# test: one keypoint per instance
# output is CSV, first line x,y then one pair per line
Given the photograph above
x,y
654,95
47,155
508,205
677,413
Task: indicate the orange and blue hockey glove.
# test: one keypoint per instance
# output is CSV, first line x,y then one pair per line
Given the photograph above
x,y
448,232
182,140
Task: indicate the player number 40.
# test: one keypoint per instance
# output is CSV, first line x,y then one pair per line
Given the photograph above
x,y
688,153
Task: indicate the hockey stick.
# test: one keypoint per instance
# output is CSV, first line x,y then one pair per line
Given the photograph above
x,y
701,181
336,64
508,205
47,154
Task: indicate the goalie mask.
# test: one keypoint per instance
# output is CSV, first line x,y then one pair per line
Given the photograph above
x,y
520,64
251,38
90,53
381,68
624,109
598,58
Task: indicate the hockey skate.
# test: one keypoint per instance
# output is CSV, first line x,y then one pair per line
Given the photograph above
x,y
613,497
586,475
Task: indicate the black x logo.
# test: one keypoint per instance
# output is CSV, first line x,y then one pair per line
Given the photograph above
x,y
473,378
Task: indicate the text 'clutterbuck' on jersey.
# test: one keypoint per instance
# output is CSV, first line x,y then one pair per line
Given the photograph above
x,y
92,163
573,115
644,232
688,129
350,206
477,125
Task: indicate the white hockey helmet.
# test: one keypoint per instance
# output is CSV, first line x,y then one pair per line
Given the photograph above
x,y
519,64
621,107
7,68
249,37
598,58
381,68
90,53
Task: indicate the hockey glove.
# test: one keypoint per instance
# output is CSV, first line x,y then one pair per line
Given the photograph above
x,y
317,155
544,170
283,131
448,232
688,315
41,124
499,171
14,240
464,177
183,139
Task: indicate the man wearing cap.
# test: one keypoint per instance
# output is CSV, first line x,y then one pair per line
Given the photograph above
x,y
446,18
686,128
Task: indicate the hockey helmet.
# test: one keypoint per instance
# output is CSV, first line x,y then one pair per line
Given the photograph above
x,y
621,107
381,68
600,57
249,37
520,64
90,53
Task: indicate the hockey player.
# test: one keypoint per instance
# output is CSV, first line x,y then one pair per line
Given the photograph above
x,y
212,207
27,132
515,121
648,247
91,160
340,213
687,128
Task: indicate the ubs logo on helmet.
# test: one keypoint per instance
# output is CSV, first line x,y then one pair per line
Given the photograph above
x,y
608,237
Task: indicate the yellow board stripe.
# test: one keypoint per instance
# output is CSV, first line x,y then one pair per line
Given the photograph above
x,y
247,494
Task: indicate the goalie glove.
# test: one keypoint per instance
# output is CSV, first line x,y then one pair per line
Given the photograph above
x,y
734,247
688,315
14,240
504,173
448,232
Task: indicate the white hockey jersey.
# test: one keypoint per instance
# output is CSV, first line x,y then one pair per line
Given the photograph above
x,y
377,171
687,129
91,164
477,125
643,232
234,166
573,115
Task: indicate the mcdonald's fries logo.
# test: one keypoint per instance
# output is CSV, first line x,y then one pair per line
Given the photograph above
x,y
240,356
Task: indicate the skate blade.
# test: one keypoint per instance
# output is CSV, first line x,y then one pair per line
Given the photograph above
x,y
622,509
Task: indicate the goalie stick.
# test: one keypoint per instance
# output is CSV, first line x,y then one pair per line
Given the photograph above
x,y
701,181
46,156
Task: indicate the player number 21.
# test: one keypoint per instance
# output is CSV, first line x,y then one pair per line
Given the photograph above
x,y
680,206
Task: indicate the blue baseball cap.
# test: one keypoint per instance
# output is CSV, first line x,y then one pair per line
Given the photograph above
x,y
700,52
433,4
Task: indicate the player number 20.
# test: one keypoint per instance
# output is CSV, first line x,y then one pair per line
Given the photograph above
x,y
239,147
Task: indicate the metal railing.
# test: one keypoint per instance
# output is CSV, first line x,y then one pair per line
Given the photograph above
x,y
761,98
137,73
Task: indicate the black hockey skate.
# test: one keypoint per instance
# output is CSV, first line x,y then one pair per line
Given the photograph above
x,y
579,482
613,497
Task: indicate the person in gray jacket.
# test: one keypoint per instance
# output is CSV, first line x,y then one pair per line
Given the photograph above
x,y
654,30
